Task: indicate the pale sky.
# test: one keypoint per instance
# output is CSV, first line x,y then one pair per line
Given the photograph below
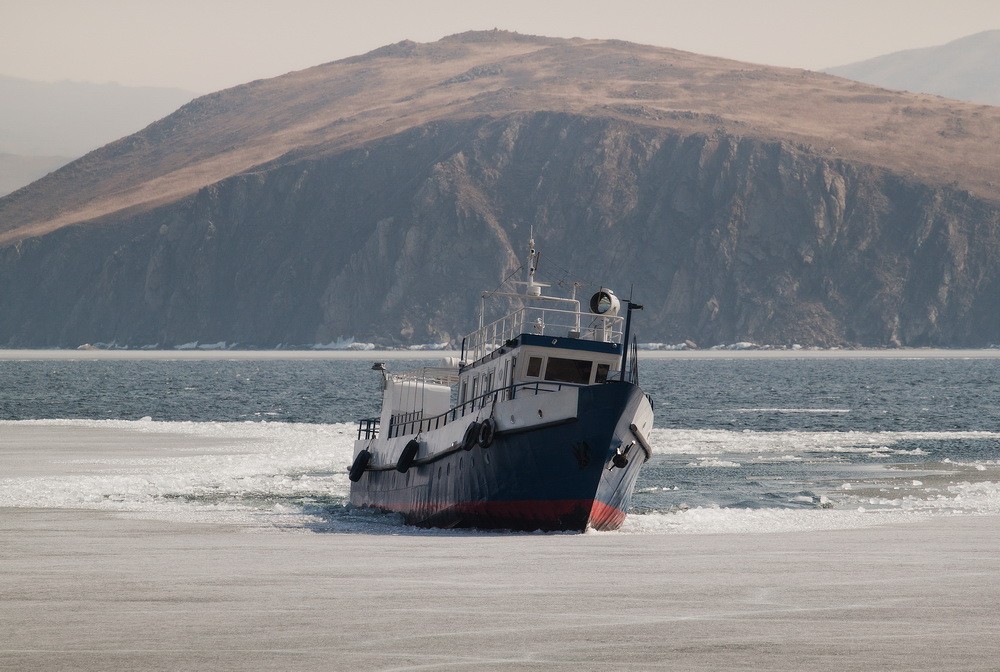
x,y
205,45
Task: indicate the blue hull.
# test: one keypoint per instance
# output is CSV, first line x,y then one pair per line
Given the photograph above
x,y
560,476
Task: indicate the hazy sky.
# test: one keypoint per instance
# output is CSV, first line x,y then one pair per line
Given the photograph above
x,y
204,45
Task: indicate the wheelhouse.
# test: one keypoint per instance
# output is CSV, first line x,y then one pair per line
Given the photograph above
x,y
540,363
546,344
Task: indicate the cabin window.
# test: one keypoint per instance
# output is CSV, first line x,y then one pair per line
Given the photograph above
x,y
465,391
602,373
568,370
475,388
534,367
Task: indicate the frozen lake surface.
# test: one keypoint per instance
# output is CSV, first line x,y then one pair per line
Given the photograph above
x,y
796,514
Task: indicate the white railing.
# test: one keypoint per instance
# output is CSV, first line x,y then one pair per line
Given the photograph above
x,y
437,375
543,322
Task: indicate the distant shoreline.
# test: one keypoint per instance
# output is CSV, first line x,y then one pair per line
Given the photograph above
x,y
373,355
894,353
378,355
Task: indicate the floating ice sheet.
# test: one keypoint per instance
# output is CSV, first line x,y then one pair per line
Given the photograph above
x,y
261,474
721,441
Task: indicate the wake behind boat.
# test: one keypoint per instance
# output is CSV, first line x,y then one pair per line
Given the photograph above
x,y
540,426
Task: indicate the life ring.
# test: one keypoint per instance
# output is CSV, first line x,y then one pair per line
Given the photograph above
x,y
359,466
487,432
406,457
471,436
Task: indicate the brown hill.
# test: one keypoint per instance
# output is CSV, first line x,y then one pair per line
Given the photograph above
x,y
373,197
342,105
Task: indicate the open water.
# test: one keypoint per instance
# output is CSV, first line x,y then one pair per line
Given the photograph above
x,y
739,444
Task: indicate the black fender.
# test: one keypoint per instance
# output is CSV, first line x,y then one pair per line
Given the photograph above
x,y
406,457
471,436
487,432
359,466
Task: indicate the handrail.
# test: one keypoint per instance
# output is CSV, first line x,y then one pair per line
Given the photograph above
x,y
542,321
415,426
368,427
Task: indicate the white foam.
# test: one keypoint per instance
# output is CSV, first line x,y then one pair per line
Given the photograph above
x,y
978,466
722,441
714,462
965,497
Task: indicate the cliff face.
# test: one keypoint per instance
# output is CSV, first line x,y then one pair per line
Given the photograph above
x,y
724,237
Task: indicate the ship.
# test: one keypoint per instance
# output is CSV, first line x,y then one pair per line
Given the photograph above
x,y
540,424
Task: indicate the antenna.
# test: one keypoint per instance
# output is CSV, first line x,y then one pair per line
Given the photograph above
x,y
532,288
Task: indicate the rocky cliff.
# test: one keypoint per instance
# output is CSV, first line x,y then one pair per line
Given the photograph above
x,y
725,239
726,233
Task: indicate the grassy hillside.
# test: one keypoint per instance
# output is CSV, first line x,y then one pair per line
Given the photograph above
x,y
339,106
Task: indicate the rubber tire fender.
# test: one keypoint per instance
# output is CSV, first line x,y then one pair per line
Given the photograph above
x,y
406,457
359,466
487,432
471,436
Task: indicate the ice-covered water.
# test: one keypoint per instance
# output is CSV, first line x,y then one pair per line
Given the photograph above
x,y
739,445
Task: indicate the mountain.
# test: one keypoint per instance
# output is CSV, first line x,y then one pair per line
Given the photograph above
x,y
964,69
17,171
375,196
41,122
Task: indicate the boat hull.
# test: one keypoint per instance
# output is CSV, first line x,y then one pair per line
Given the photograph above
x,y
557,472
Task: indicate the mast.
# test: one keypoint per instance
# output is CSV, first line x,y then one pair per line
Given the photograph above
x,y
628,325
532,289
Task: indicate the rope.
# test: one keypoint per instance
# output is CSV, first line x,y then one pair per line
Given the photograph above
x,y
504,281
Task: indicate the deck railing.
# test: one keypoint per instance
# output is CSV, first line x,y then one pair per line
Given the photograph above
x,y
368,428
544,322
404,423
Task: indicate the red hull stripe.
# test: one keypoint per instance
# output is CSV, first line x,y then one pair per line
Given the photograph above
x,y
521,514
606,517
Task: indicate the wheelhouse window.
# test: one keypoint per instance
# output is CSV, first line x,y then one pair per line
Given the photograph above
x,y
534,367
568,370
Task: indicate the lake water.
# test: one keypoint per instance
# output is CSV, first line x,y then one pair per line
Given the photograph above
x,y
747,443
